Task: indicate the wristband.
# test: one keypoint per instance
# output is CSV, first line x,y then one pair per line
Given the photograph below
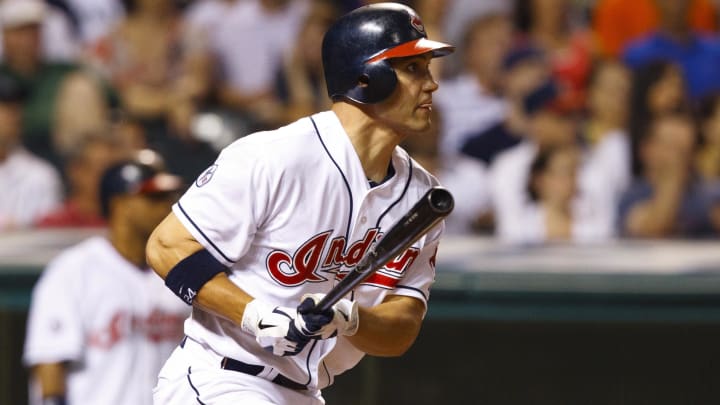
x,y
188,276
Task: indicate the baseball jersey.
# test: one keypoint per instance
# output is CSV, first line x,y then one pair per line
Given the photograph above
x,y
289,211
114,323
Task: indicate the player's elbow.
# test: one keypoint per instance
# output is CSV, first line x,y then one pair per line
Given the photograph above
x,y
153,253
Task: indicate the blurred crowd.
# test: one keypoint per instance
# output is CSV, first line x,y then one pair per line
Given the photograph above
x,y
556,120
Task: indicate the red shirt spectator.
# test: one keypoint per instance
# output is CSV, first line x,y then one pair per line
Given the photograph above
x,y
617,22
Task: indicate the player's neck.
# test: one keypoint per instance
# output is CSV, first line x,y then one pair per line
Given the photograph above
x,y
131,247
373,143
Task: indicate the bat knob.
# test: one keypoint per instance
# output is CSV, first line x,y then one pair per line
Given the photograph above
x,y
441,201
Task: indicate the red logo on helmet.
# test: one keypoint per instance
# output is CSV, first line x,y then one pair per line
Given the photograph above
x,y
417,23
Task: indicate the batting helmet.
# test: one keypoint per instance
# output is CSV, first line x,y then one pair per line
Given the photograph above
x,y
143,174
357,48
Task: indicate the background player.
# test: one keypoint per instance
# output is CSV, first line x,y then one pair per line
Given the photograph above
x,y
284,213
101,323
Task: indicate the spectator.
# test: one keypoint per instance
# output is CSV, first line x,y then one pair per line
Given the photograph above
x,y
50,86
523,71
547,126
657,89
675,41
546,25
95,18
59,40
162,73
248,39
667,200
707,160
607,169
460,14
465,177
100,324
618,22
158,69
300,82
32,186
557,210
83,169
470,103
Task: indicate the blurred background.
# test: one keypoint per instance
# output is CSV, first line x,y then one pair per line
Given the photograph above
x,y
581,139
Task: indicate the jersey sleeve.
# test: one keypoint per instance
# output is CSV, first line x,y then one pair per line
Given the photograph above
x,y
225,205
421,273
55,330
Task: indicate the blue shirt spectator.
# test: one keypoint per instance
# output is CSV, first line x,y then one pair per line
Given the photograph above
x,y
693,217
698,57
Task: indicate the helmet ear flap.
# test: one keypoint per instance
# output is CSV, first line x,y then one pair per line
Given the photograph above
x,y
375,83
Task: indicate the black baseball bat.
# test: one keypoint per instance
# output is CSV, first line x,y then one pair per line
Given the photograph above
x,y
435,205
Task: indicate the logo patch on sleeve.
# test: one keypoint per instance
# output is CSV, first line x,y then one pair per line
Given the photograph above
x,y
206,176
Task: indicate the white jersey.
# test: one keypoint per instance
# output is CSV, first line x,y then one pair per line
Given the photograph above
x,y
288,210
114,323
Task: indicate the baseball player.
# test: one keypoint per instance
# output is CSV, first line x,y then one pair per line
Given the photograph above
x,y
282,215
101,323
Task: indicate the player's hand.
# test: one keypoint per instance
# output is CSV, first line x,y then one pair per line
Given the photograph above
x,y
341,319
273,328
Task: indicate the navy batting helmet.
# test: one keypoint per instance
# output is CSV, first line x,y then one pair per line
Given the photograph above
x,y
356,49
143,174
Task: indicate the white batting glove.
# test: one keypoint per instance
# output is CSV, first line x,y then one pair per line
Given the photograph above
x,y
273,328
342,319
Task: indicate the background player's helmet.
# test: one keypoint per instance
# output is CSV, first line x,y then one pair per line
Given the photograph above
x,y
356,50
142,174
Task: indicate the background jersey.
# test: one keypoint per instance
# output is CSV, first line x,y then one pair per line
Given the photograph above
x,y
288,210
115,323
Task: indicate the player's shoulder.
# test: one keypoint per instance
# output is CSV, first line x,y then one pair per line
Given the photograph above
x,y
286,139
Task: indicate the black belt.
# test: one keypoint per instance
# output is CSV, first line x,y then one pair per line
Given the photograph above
x,y
251,369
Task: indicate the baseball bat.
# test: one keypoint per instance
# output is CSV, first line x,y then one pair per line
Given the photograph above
x,y
435,205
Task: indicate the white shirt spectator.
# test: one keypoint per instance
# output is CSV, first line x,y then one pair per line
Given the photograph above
x,y
248,41
96,17
467,109
602,177
607,170
467,180
508,188
589,225
32,189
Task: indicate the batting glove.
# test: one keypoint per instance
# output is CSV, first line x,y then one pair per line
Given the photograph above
x,y
341,319
273,328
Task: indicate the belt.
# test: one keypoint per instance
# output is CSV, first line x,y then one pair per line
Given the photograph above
x,y
251,369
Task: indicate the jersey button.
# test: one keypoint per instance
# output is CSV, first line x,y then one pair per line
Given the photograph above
x,y
363,220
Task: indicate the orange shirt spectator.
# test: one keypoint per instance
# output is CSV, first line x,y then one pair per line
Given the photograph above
x,y
617,22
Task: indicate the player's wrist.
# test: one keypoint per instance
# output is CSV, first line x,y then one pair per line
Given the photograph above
x,y
254,311
347,317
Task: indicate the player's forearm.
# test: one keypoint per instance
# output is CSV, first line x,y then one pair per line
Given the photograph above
x,y
221,297
51,377
390,328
